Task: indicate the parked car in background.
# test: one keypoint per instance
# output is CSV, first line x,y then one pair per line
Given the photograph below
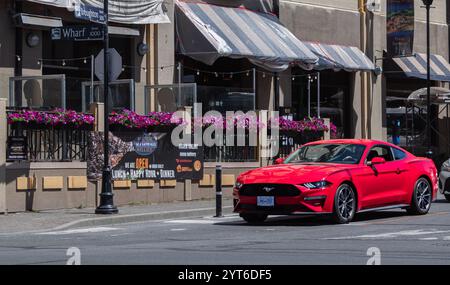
x,y
340,178
444,179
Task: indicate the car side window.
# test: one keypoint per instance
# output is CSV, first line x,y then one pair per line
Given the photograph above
x,y
398,154
380,151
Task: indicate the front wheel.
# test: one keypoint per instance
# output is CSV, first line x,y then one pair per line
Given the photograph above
x,y
254,218
421,199
344,204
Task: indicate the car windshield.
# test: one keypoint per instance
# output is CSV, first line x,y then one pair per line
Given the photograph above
x,y
328,153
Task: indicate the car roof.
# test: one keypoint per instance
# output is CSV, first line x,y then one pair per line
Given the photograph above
x,y
351,141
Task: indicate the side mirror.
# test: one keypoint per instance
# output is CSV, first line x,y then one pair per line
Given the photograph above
x,y
376,160
279,160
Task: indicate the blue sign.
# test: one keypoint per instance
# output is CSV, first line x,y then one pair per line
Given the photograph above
x,y
77,33
90,13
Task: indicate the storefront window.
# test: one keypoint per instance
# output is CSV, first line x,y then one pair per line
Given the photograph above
x,y
78,72
222,90
334,94
405,123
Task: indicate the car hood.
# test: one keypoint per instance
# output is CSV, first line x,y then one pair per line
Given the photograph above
x,y
292,173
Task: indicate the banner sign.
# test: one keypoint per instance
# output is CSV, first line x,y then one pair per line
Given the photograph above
x,y
77,33
16,148
400,27
142,155
89,13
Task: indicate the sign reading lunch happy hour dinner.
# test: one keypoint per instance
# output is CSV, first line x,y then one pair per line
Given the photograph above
x,y
146,156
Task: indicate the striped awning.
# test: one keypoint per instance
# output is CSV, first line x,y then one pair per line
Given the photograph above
x,y
207,32
338,57
416,66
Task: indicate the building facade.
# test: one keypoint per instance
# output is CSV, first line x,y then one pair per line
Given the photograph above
x,y
373,104
321,58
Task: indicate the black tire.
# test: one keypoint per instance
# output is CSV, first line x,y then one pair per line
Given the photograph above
x,y
421,198
344,204
447,197
254,218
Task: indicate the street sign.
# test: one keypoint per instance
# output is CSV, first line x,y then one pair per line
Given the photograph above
x,y
77,33
115,64
89,13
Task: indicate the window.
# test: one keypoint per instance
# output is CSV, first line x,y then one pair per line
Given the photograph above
x,y
334,98
398,154
380,151
328,153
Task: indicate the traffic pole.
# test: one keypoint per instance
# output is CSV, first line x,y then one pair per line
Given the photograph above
x,y
219,191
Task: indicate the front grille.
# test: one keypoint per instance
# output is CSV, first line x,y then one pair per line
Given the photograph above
x,y
263,190
276,210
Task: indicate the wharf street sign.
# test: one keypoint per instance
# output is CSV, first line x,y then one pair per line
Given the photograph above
x,y
77,33
89,13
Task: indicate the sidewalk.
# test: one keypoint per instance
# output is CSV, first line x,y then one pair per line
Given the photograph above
x,y
75,218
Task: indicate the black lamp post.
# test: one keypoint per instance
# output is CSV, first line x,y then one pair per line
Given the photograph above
x,y
106,196
429,152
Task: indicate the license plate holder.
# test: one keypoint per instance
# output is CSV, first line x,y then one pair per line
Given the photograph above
x,y
265,201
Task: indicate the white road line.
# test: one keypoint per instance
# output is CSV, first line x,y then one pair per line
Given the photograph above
x,y
80,231
119,235
429,238
392,234
177,230
447,238
230,216
192,222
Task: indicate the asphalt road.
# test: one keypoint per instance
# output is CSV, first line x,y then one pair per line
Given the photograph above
x,y
400,239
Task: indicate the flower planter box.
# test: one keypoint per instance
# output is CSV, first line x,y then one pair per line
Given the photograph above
x,y
37,126
152,129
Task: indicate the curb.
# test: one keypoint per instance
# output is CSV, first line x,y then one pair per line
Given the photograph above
x,y
89,222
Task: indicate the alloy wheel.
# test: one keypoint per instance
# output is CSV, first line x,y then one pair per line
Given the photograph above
x,y
346,199
423,195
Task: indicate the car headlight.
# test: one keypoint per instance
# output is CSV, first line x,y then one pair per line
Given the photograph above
x,y
316,185
238,185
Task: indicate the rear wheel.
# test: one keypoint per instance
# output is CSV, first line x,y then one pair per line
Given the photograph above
x,y
447,197
254,218
421,199
344,204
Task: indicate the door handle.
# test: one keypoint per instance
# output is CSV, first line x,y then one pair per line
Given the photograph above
x,y
398,171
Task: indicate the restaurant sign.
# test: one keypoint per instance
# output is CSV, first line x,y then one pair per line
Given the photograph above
x,y
400,27
16,148
143,155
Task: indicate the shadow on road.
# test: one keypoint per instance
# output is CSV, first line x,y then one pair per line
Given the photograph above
x,y
442,201
315,220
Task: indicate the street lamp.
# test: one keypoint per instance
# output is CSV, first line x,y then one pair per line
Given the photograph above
x,y
106,196
429,152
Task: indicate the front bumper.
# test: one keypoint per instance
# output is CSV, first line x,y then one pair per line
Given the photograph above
x,y
307,202
444,182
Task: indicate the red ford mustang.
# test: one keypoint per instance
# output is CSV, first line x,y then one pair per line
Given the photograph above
x,y
338,177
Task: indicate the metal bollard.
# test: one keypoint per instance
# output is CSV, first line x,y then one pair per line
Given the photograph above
x,y
218,191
